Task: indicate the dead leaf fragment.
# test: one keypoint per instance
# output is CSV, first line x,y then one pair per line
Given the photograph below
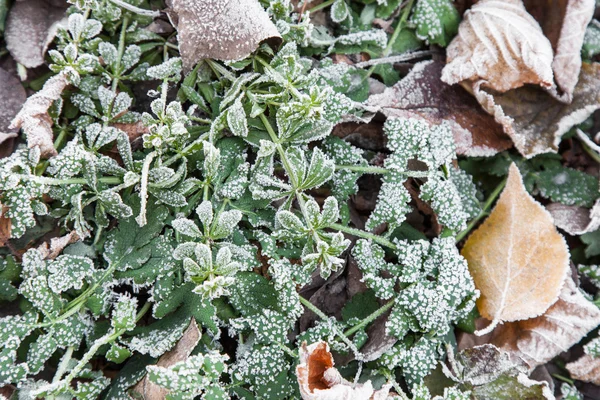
x,y
500,44
30,27
320,380
50,251
517,258
535,120
422,94
220,29
575,220
586,368
13,96
34,119
181,352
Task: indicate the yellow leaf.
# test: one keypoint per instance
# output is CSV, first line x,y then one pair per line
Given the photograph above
x,y
517,258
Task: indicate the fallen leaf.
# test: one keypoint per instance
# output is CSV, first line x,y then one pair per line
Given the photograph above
x,y
223,30
50,251
534,119
500,45
30,27
7,143
181,351
422,94
13,96
539,340
575,220
564,24
34,119
491,373
5,228
586,368
320,380
517,258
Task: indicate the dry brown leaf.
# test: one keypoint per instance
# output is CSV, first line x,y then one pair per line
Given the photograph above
x,y
34,119
534,119
181,351
30,27
5,228
320,380
50,251
586,368
564,23
540,339
517,258
422,94
220,29
575,220
500,44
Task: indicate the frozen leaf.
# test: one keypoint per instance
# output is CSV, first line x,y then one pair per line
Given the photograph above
x,y
539,340
339,11
535,120
436,21
575,220
182,350
30,28
320,380
34,119
51,250
222,30
518,266
421,94
565,26
586,368
501,45
13,96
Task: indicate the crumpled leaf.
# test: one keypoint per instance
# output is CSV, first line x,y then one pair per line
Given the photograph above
x,y
500,45
422,94
564,24
534,119
30,28
13,96
586,368
491,373
517,258
219,29
575,220
34,119
53,249
319,380
182,350
540,339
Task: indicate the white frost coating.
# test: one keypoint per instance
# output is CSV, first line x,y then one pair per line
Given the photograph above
x,y
575,220
221,29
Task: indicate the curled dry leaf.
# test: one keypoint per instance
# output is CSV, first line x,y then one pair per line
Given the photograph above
x,y
319,380
13,96
539,340
34,119
586,368
501,45
535,120
422,94
220,29
564,25
182,350
517,258
50,251
575,220
30,27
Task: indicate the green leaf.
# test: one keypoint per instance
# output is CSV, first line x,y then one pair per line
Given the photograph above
x,y
567,186
591,40
320,170
436,21
592,241
123,316
339,11
236,119
360,306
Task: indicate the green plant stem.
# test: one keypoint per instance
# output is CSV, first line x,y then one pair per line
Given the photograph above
x,y
363,234
120,52
484,211
313,308
187,150
108,338
388,375
321,6
136,10
64,363
370,318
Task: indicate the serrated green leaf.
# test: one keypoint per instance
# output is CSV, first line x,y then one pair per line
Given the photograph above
x,y
436,21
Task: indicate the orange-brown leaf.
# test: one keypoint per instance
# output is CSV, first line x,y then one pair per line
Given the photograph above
x,y
517,257
586,368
